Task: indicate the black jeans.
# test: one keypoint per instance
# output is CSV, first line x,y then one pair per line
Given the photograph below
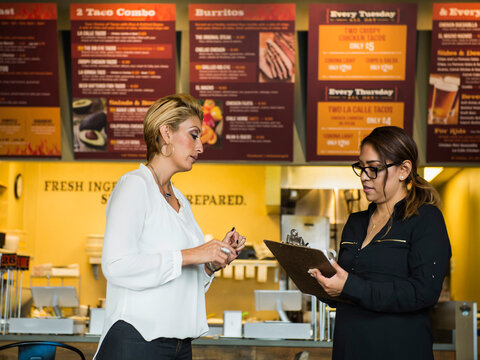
x,y
124,342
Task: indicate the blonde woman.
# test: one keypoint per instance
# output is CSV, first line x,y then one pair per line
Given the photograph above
x,y
155,260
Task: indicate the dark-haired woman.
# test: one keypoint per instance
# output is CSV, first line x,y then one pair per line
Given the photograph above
x,y
393,257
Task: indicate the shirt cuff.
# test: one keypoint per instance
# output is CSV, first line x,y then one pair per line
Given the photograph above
x,y
353,288
177,263
207,279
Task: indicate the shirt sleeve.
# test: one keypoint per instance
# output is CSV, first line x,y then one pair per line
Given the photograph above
x,y
122,262
428,260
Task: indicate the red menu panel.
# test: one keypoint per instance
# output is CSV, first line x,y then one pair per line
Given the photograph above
x,y
29,98
242,69
123,59
453,130
361,74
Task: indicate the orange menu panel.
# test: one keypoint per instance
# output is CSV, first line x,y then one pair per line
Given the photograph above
x,y
30,131
342,125
362,52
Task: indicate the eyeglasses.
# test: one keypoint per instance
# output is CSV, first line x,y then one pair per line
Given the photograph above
x,y
370,171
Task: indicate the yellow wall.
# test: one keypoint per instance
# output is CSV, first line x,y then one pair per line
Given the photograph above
x,y
12,209
61,206
16,206
461,198
4,178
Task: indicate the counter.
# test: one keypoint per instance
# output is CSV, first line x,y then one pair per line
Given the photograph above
x,y
225,348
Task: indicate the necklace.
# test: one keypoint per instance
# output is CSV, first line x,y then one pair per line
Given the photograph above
x,y
374,225
166,194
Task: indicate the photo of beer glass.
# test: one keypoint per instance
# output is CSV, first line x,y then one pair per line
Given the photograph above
x,y
433,79
444,94
453,116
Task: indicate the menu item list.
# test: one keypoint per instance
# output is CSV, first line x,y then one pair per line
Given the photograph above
x,y
242,68
453,131
29,97
360,75
123,59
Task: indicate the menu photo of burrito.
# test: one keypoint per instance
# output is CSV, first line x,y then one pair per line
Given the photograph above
x,y
276,57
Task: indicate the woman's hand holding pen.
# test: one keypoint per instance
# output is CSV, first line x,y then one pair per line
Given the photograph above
x,y
215,254
333,286
213,251
236,241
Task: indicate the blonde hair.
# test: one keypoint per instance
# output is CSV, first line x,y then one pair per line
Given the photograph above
x,y
171,110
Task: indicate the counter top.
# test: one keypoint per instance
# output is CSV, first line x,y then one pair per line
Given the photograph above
x,y
200,341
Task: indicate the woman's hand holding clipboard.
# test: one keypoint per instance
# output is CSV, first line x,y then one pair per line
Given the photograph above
x,y
297,260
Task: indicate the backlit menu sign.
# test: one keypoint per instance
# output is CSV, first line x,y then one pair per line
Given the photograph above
x,y
29,97
361,68
242,69
123,59
453,130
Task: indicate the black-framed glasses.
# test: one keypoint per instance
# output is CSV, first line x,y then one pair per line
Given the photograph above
x,y
370,171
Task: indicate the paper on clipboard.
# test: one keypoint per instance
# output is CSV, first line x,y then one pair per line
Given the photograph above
x,y
296,260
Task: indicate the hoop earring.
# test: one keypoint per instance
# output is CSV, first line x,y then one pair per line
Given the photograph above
x,y
164,150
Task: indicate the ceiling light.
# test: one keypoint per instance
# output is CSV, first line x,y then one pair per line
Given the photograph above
x,y
429,173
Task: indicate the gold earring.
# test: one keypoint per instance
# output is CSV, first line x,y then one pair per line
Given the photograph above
x,y
410,185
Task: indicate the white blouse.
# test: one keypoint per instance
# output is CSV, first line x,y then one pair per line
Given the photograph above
x,y
142,262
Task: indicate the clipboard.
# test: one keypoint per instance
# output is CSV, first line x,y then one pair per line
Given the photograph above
x,y
296,260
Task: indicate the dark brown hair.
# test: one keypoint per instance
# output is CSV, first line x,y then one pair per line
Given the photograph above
x,y
395,145
171,110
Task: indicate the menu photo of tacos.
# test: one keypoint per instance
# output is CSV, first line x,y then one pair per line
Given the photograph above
x,y
89,124
212,125
276,57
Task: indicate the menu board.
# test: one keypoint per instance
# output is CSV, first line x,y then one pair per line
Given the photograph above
x,y
453,130
361,74
242,69
29,97
123,59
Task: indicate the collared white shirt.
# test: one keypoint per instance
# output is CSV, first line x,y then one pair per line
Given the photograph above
x,y
142,262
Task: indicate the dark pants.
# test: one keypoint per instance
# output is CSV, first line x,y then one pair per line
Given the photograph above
x,y
124,342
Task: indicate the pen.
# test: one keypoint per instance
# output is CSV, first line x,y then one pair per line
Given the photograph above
x,y
233,228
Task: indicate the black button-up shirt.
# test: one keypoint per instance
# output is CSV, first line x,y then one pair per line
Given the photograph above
x,y
392,283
